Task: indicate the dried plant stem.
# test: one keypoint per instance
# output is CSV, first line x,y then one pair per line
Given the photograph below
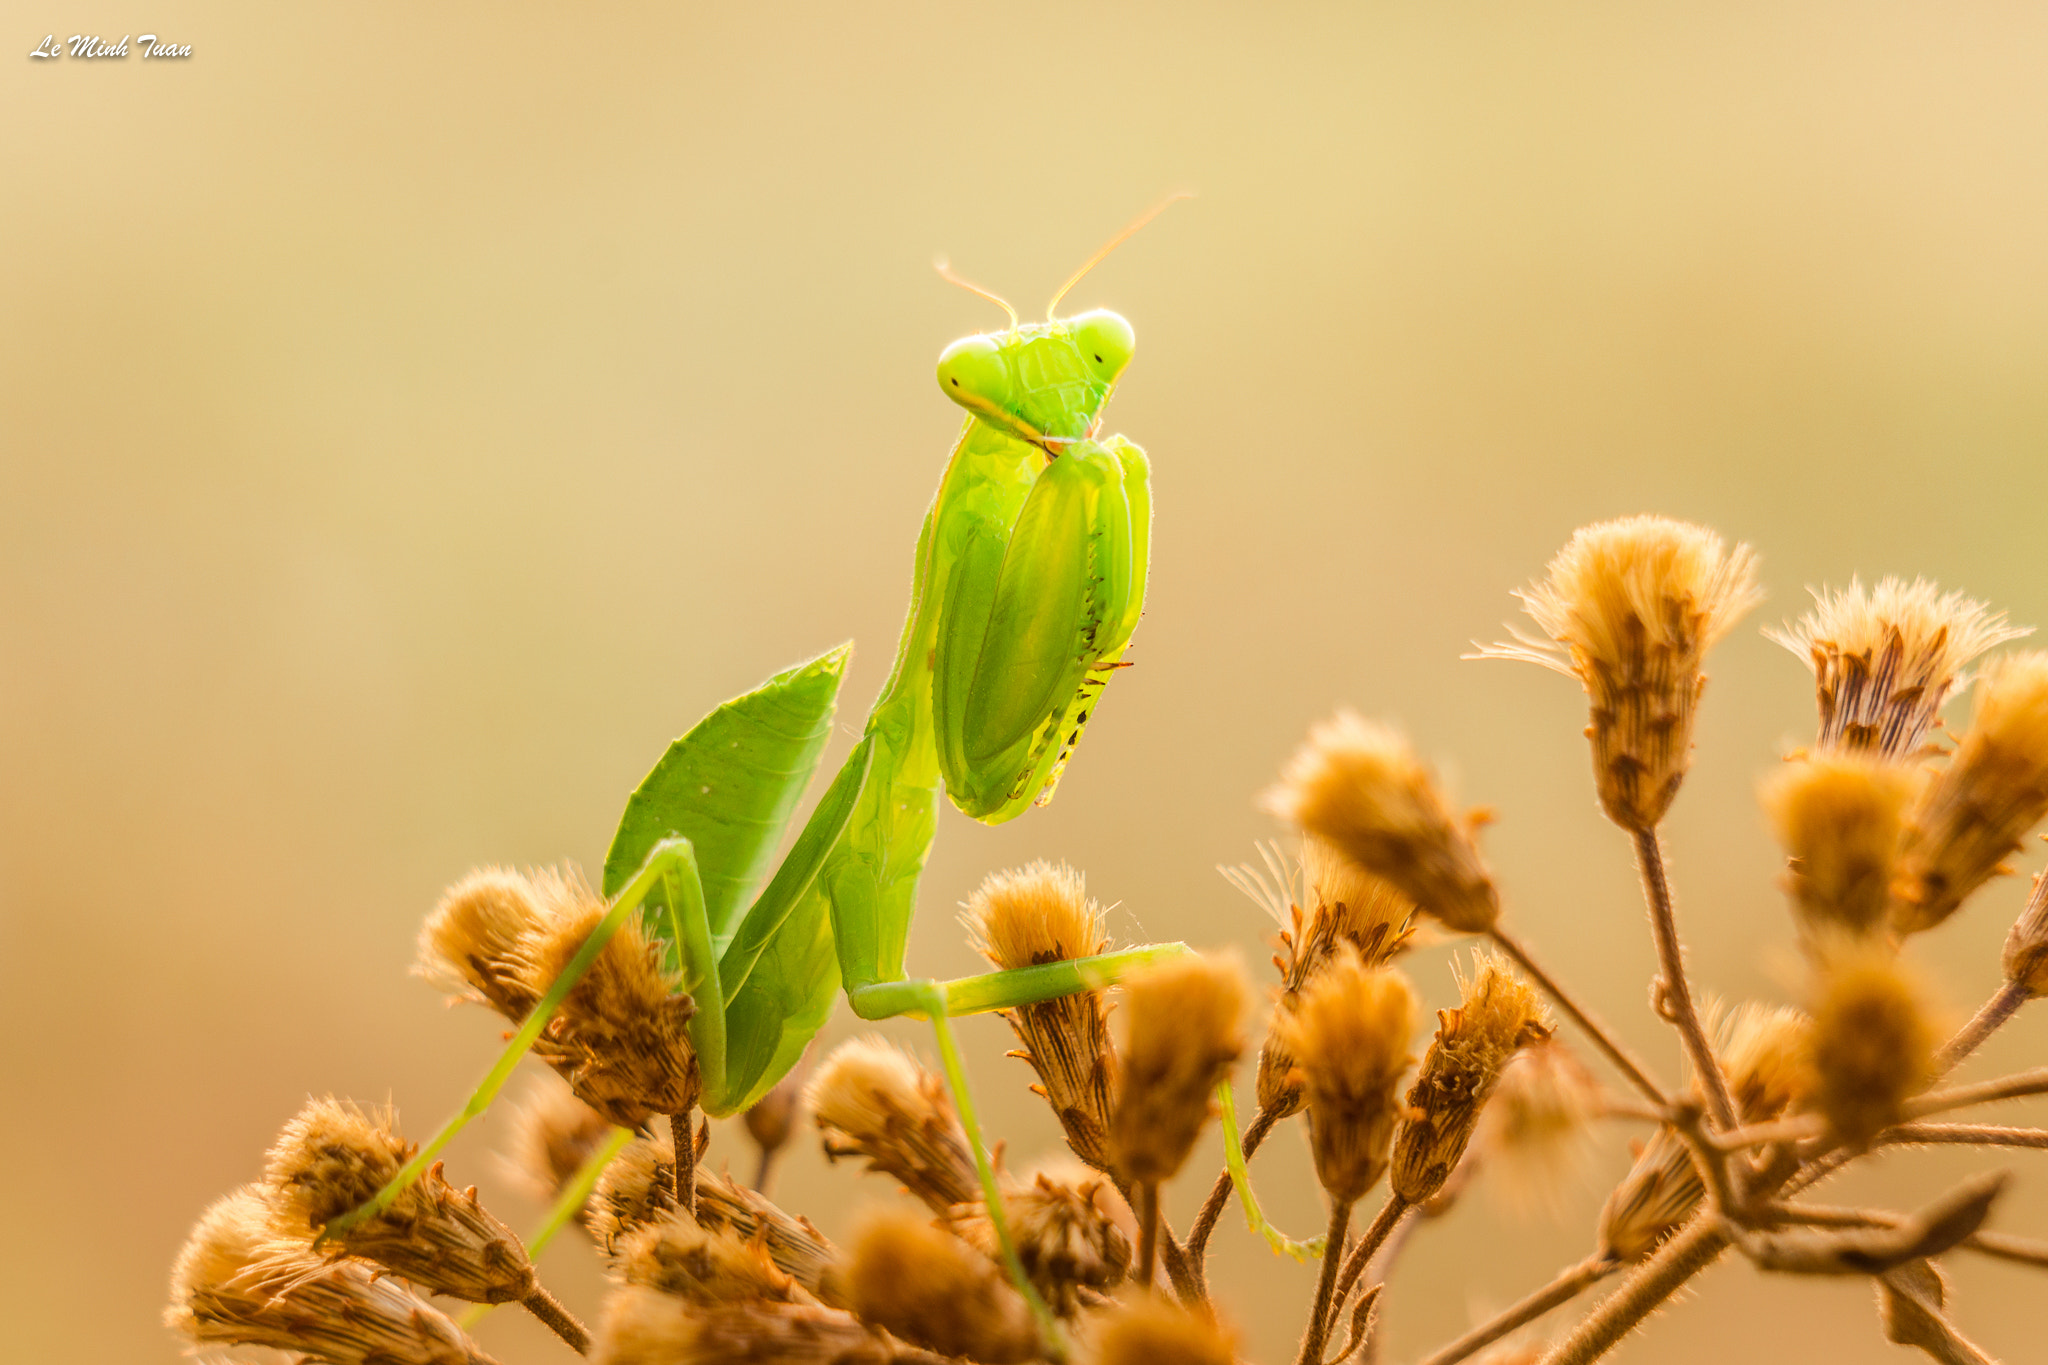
x,y
1966,1134
1623,1059
1325,1306
2003,1004
1692,1249
549,1310
1148,1231
1944,1343
2007,1247
2016,1086
1685,1015
686,1163
1361,1255
1219,1194
1567,1286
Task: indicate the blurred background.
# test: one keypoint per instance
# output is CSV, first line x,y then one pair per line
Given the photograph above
x,y
411,418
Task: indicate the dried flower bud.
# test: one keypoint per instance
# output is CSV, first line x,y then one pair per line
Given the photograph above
x,y
703,1265
1537,1129
470,943
238,1283
1361,786
871,1099
1976,811
1659,1192
553,1135
1183,1027
771,1119
620,1037
637,1190
333,1158
1873,1042
1767,1054
1068,1230
932,1289
2026,946
647,1327
1041,914
1839,818
1497,1016
1885,659
1350,1036
1146,1329
1631,608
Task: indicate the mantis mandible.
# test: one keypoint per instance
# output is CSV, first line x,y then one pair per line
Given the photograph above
x,y
1028,581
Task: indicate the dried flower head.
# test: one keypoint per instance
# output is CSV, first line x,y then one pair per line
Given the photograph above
x,y
1659,1192
2026,946
872,1099
1537,1131
1975,812
930,1288
620,1037
1182,1029
704,1265
1039,914
1631,608
1839,818
553,1135
1873,1042
647,1327
239,1283
1147,1329
1497,1015
771,1120
470,943
1886,658
1350,1036
1767,1053
333,1157
1361,786
1068,1229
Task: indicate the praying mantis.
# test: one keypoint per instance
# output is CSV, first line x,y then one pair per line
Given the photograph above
x,y
1028,581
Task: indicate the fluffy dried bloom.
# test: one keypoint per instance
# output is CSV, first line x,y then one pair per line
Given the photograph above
x,y
470,943
239,1283
930,1288
1631,608
1767,1053
638,1190
1068,1230
553,1135
704,1265
1659,1192
333,1157
1347,905
1039,914
1975,812
2026,946
620,1037
1873,1042
1147,1329
1497,1015
872,1099
1361,786
1537,1131
1349,1037
1182,1029
647,1327
1886,658
1839,818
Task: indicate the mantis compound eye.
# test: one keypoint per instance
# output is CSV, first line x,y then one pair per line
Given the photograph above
x,y
1105,341
975,375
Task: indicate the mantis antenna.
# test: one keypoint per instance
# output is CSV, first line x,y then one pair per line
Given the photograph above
x,y
946,273
1112,244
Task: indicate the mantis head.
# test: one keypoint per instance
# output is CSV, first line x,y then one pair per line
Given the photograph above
x,y
1040,382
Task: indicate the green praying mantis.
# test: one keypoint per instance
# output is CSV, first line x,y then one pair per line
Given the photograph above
x,y
1028,582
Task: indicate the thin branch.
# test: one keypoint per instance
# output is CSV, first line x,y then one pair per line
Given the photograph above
x,y
1616,1051
2016,1086
2003,1004
1390,1213
1219,1194
686,1162
1692,1249
2006,1247
1319,1313
560,1321
1968,1134
1685,1014
1567,1286
1148,1231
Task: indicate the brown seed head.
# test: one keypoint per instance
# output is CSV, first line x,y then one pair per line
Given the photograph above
x,y
1361,786
1873,1042
240,1282
647,1327
1975,812
334,1157
620,1037
1147,1329
1182,1028
871,1099
553,1134
1496,1017
771,1119
704,1265
470,943
1767,1053
1067,1228
1839,818
1537,1131
1631,608
2026,946
1659,1192
1039,914
1885,659
930,1288
1349,1037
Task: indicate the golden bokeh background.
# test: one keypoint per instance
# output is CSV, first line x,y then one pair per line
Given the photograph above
x,y
411,417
